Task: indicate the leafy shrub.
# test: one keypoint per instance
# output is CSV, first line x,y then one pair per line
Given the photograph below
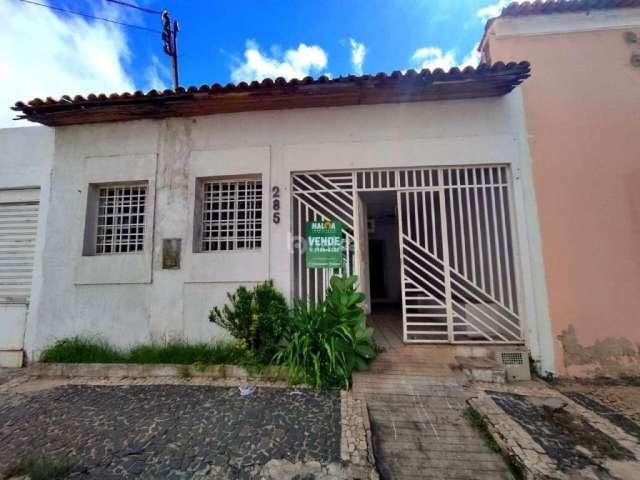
x,y
256,318
82,350
326,344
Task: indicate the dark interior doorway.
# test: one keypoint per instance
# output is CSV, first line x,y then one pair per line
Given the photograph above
x,y
384,252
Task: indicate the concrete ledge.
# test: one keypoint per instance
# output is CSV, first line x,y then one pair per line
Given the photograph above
x,y
131,370
482,369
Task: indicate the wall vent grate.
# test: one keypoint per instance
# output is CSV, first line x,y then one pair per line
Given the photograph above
x,y
516,365
512,358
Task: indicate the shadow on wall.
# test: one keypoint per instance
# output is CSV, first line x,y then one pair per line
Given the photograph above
x,y
609,357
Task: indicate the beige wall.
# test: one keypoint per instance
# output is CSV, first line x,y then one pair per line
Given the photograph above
x,y
582,108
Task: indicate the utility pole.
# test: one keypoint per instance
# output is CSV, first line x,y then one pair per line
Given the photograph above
x,y
170,37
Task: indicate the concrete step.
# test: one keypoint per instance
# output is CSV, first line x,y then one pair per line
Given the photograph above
x,y
482,369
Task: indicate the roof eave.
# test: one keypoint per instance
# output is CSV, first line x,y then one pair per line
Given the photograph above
x,y
367,90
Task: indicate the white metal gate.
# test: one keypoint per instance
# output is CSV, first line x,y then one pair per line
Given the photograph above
x,y
459,274
321,196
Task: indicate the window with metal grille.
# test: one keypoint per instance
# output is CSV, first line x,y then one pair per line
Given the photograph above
x,y
120,218
231,215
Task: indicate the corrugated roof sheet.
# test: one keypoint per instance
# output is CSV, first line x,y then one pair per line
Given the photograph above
x,y
410,86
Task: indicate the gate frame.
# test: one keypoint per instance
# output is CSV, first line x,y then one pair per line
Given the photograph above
x,y
514,227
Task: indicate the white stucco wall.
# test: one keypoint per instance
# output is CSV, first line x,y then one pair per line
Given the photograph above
x,y
26,157
131,298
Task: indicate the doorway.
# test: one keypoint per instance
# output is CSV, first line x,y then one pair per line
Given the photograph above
x,y
385,287
384,267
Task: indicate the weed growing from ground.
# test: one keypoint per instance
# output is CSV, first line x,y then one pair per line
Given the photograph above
x,y
477,421
199,367
41,468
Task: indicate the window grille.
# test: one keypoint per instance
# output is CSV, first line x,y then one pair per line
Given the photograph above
x,y
120,219
231,215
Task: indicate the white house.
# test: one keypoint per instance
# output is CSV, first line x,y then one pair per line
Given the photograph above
x,y
161,203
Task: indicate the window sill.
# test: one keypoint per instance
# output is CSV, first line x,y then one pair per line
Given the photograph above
x,y
229,252
111,255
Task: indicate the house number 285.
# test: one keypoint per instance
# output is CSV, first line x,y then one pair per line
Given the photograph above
x,y
275,204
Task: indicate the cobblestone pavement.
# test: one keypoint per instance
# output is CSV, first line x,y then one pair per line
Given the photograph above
x,y
169,431
8,374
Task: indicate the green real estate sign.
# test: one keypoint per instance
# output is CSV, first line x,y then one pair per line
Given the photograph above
x,y
324,244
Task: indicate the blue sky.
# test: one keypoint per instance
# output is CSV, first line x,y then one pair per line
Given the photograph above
x,y
215,33
53,53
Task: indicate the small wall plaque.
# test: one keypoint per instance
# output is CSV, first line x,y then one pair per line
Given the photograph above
x,y
171,248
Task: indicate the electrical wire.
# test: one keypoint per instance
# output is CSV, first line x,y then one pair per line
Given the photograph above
x,y
125,4
30,2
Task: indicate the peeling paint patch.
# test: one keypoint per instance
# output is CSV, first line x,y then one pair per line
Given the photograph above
x,y
611,357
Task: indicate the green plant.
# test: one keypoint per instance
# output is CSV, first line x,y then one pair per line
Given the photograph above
x,y
199,367
477,421
82,350
93,350
550,378
41,468
179,351
326,344
256,318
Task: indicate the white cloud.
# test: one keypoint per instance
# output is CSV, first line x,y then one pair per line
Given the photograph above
x,y
46,55
472,58
157,75
433,57
494,10
358,52
295,63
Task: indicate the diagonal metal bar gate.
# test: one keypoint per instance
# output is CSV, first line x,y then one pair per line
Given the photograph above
x,y
457,248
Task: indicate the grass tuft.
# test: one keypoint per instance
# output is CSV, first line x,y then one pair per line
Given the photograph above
x,y
41,468
477,421
82,350
93,350
185,353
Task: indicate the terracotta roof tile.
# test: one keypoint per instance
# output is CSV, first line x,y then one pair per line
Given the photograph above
x,y
562,6
549,7
483,81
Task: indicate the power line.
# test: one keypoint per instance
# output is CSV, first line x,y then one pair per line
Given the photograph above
x,y
91,16
125,4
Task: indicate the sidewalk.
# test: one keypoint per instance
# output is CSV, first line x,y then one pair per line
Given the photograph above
x,y
572,430
416,404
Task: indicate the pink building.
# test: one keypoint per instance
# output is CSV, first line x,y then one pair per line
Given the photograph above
x,y
582,106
